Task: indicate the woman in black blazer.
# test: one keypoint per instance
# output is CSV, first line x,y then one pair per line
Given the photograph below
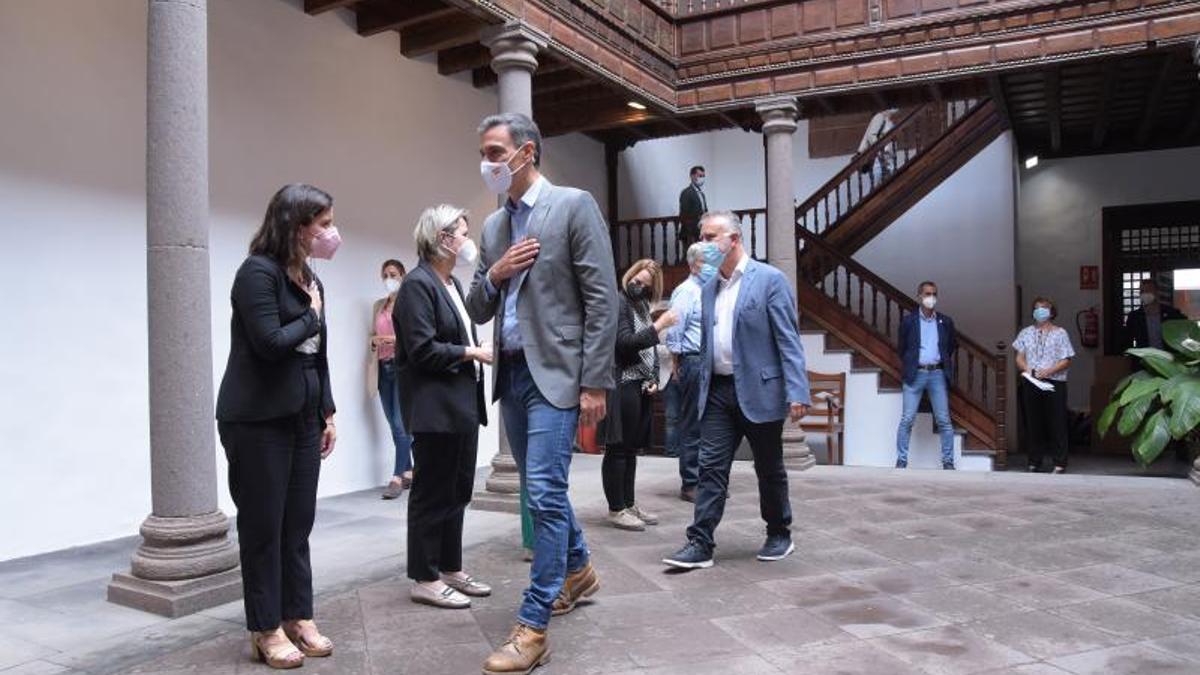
x,y
275,418
626,430
439,364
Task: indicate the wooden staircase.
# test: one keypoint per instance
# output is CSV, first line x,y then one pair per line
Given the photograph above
x,y
879,185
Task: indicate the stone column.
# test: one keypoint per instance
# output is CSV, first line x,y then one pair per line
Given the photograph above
x,y
779,123
1195,472
186,561
514,48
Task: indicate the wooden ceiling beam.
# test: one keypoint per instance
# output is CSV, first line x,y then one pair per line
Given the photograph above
x,y
315,7
1054,108
375,19
1154,101
483,77
1108,85
558,81
590,116
466,57
447,33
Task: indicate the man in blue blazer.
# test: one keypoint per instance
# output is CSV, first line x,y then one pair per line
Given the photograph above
x,y
751,377
927,345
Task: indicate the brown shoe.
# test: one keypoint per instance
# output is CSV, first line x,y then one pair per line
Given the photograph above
x,y
578,585
525,649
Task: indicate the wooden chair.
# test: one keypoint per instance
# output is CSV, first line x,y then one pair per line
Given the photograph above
x,y
827,414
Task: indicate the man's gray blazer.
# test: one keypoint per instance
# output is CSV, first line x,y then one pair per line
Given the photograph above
x,y
567,302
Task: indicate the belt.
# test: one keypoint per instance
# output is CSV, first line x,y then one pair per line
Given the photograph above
x,y
513,355
686,354
930,367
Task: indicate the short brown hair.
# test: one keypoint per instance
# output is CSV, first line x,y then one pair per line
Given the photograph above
x,y
656,284
1043,300
392,262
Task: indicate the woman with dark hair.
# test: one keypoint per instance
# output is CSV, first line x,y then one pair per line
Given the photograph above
x,y
381,377
275,419
1044,354
440,365
626,429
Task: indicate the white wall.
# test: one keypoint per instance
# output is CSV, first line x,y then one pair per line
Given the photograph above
x,y
292,98
1061,228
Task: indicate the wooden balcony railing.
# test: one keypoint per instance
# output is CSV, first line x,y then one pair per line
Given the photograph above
x,y
658,238
866,311
869,172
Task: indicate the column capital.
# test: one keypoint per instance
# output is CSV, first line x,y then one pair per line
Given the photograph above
x,y
514,45
778,114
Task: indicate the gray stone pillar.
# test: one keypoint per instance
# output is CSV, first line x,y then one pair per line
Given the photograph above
x,y
186,561
1194,474
514,50
779,123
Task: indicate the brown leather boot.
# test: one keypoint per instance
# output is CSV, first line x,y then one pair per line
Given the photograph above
x,y
578,585
525,649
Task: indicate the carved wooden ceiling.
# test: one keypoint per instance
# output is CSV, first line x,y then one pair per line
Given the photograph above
x,y
1077,76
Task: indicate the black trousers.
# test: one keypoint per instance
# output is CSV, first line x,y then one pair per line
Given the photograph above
x,y
273,472
443,478
618,470
721,431
1045,422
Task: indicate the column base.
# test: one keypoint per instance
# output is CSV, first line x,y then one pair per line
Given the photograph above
x,y
502,492
175,598
797,455
496,501
1194,474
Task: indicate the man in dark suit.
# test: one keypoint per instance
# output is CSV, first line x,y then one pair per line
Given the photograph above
x,y
692,205
1143,326
927,345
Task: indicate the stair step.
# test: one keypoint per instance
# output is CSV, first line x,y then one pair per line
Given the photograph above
x,y
867,370
811,331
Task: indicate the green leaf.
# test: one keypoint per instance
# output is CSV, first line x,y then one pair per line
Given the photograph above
x,y
1180,385
1141,387
1106,417
1124,382
1153,438
1134,413
1183,336
1185,415
1159,361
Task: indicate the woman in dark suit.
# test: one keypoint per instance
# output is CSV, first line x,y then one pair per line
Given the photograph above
x,y
439,364
275,418
626,429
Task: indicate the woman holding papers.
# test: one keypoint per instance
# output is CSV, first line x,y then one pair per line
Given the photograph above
x,y
1044,354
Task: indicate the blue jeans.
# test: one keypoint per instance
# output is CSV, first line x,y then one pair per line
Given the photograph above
x,y
687,387
932,382
541,437
722,430
671,414
389,398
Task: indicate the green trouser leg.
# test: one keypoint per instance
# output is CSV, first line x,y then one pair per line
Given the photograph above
x,y
526,521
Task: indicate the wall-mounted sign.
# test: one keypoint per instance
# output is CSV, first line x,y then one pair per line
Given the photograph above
x,y
1089,277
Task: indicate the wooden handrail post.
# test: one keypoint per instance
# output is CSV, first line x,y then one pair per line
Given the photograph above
x,y
1001,412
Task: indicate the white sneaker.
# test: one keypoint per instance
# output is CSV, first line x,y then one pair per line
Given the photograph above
x,y
624,520
647,518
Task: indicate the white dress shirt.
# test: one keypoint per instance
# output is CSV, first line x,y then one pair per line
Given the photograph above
x,y
452,290
723,319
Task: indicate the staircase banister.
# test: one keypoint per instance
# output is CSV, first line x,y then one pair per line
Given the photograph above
x,y
856,163
902,299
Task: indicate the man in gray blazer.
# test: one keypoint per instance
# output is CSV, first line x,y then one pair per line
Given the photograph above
x,y
751,377
546,281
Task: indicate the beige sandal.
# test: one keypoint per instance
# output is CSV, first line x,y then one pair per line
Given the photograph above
x,y
280,654
305,635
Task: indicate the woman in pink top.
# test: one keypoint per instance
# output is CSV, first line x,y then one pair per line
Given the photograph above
x,y
381,377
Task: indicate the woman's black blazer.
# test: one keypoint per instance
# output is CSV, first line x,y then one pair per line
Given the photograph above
x,y
440,393
271,317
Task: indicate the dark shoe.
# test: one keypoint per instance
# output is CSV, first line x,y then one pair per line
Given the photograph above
x,y
777,547
902,464
690,557
578,585
392,491
688,494
1033,468
525,649
948,466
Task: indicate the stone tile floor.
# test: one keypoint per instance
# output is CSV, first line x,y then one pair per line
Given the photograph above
x,y
896,572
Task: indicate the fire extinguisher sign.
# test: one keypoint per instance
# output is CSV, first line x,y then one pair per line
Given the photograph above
x,y
1089,277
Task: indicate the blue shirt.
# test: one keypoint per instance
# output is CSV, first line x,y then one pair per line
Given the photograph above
x,y
930,353
518,215
684,337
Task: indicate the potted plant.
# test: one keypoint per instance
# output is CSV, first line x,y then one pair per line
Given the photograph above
x,y
1161,402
